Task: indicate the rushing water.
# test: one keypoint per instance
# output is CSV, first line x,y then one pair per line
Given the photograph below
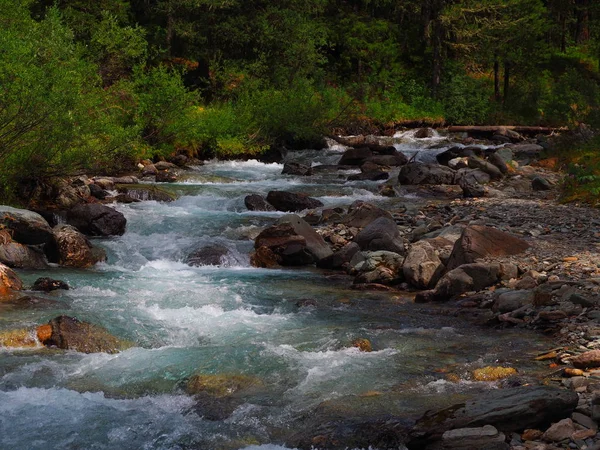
x,y
230,320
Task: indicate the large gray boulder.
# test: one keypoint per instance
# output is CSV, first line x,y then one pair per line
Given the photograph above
x,y
26,226
19,256
97,220
381,234
292,202
421,173
508,410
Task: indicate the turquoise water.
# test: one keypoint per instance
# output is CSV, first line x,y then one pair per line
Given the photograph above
x,y
229,320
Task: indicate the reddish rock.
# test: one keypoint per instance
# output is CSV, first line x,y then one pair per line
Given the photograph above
x,y
559,431
9,281
480,242
587,360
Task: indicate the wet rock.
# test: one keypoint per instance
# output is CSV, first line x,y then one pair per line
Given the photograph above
x,y
379,267
381,234
364,345
341,258
165,165
149,170
9,281
477,163
468,277
360,214
210,255
471,188
587,360
221,385
124,198
19,256
294,168
506,409
375,175
97,220
255,202
69,195
265,258
69,333
559,431
420,173
48,284
180,160
294,242
540,184
355,156
292,202
497,160
480,242
74,249
513,300
422,267
486,437
393,160
146,192
472,176
97,192
26,227
106,183
166,176
423,133
22,338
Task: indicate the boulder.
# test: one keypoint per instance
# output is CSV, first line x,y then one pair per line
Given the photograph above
x,y
26,227
74,249
97,192
477,163
104,183
210,255
69,333
69,195
146,192
587,360
19,256
380,234
292,202
255,202
525,150
479,241
166,176
423,133
540,184
149,170
486,437
508,410
497,160
294,242
9,281
512,300
379,267
294,168
341,258
375,175
468,277
472,176
422,267
360,214
265,257
48,284
421,173
355,156
393,160
559,431
165,165
97,220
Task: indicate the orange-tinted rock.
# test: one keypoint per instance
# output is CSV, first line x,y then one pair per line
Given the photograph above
x,y
493,373
220,385
364,345
587,360
74,249
9,281
71,334
531,435
44,332
22,338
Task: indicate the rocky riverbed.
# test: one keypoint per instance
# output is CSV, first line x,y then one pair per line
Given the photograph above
x,y
467,229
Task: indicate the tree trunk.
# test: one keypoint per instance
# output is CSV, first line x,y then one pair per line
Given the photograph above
x,y
506,80
437,36
563,33
496,79
582,28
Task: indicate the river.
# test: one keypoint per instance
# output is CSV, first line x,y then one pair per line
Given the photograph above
x,y
233,320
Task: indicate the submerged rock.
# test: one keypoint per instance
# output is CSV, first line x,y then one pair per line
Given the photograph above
x,y
255,202
146,192
68,333
23,338
48,284
210,255
97,220
355,156
292,202
221,385
294,168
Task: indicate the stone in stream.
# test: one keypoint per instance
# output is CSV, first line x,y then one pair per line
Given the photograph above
x,y
97,220
477,163
479,242
293,241
421,173
375,175
146,192
166,176
294,168
393,160
255,202
379,267
360,214
21,256
74,249
97,192
422,267
210,255
46,284
380,234
292,202
507,410
69,333
9,281
355,156
26,227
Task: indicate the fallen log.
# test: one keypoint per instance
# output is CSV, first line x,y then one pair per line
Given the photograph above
x,y
501,129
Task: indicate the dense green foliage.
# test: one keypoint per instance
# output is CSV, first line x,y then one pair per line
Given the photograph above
x,y
99,84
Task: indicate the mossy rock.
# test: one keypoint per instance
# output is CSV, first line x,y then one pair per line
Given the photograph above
x,y
221,385
493,373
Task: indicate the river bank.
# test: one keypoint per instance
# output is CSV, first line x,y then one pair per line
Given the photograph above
x,y
292,336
